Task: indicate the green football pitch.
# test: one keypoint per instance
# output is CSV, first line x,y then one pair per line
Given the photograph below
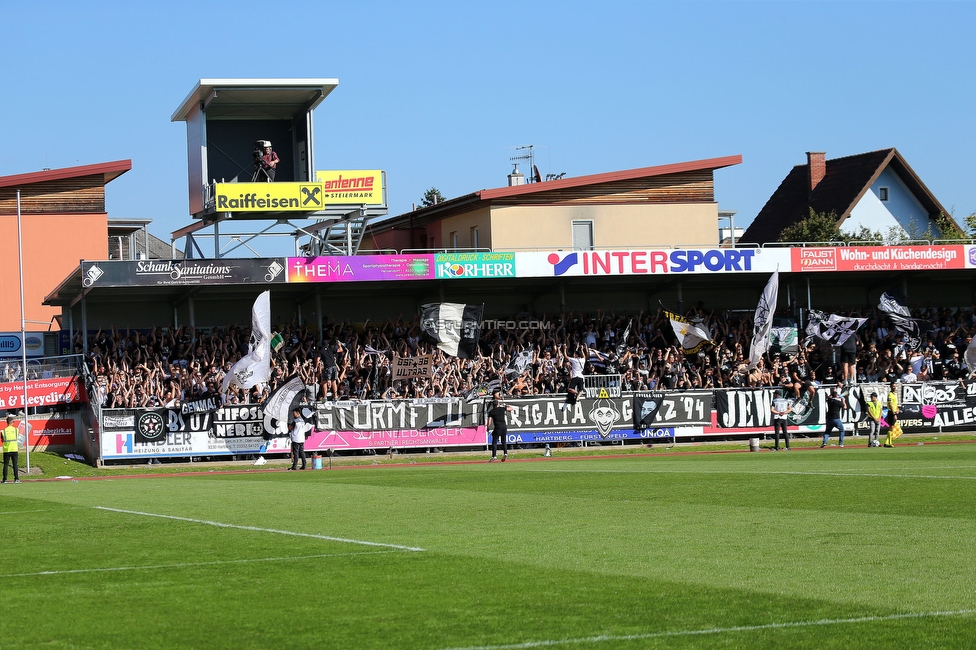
x,y
848,548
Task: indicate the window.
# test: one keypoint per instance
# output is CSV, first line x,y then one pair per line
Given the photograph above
x,y
454,240
583,235
474,237
883,193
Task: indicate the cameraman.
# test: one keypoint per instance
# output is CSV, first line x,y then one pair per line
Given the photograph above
x,y
265,160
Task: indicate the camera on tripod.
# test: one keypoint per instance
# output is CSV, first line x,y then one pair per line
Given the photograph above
x,y
262,169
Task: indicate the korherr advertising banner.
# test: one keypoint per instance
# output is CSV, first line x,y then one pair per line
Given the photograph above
x,y
475,265
152,273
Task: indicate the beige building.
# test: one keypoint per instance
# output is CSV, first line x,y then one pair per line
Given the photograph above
x,y
667,205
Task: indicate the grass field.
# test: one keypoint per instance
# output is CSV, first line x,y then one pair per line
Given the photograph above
x,y
851,548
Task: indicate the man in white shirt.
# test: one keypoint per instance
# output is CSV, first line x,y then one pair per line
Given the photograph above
x,y
297,431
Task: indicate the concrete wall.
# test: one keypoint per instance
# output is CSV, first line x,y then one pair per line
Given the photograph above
x,y
614,226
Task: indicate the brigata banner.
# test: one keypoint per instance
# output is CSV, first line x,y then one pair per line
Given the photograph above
x,y
360,268
268,197
880,258
152,273
651,262
352,186
42,392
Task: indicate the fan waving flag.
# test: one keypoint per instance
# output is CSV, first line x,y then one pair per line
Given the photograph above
x,y
255,367
455,326
519,363
763,321
912,329
277,407
832,328
692,336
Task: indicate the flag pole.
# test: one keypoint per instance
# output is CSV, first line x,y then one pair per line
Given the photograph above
x,y
23,333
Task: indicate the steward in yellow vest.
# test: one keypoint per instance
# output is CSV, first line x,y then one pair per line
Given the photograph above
x,y
10,448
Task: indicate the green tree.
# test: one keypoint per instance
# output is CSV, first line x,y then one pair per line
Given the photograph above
x,y
432,196
816,227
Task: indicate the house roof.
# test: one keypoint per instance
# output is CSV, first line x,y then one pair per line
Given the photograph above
x,y
109,170
846,180
555,191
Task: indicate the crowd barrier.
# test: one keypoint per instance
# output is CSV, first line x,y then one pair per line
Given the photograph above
x,y
358,426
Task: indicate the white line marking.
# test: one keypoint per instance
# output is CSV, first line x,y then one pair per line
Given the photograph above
x,y
262,530
18,512
759,472
181,565
715,630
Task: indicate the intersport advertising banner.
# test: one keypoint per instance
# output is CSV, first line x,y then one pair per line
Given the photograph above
x,y
651,262
882,258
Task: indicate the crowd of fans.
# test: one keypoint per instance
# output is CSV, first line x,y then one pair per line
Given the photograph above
x,y
164,367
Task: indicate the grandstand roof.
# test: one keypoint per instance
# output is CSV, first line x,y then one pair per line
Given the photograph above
x,y
845,181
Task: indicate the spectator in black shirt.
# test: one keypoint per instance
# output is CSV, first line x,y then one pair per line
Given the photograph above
x,y
496,420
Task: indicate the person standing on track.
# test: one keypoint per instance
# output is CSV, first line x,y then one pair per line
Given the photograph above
x,y
780,409
496,420
835,404
10,449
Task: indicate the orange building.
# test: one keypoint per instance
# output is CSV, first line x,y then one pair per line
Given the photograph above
x,y
63,220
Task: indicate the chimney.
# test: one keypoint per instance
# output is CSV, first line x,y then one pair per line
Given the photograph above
x,y
516,177
817,166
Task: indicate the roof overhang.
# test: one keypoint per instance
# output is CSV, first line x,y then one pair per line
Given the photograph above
x,y
610,177
248,99
109,171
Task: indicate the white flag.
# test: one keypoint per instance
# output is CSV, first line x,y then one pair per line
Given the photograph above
x,y
970,357
691,336
763,321
255,367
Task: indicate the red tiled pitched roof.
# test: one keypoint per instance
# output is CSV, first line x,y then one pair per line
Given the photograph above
x,y
845,182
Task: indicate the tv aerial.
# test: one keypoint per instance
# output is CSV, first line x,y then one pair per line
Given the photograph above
x,y
528,153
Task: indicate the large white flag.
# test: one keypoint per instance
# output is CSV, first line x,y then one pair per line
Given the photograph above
x,y
763,321
255,367
455,326
691,335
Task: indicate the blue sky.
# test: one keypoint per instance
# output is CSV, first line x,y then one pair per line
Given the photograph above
x,y
439,93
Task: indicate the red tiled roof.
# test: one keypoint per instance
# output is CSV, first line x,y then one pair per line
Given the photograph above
x,y
845,182
609,177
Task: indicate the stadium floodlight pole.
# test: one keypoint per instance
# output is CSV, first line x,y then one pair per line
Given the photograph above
x,y
23,332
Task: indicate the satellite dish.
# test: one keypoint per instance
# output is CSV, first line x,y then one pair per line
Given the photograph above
x,y
535,171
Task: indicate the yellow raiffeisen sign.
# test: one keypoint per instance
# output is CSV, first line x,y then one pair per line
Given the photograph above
x,y
352,186
268,197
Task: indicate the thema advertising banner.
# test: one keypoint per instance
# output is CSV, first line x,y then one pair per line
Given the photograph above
x,y
397,424
268,197
351,186
880,258
151,273
360,268
651,262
